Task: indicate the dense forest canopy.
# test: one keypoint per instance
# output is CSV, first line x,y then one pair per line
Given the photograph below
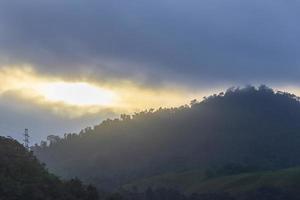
x,y
255,128
23,177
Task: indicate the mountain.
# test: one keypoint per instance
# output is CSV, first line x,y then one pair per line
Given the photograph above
x,y
22,176
255,129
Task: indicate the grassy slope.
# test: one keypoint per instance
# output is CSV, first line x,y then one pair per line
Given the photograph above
x,y
182,181
195,181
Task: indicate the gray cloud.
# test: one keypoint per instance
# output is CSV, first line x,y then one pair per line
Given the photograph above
x,y
16,115
196,41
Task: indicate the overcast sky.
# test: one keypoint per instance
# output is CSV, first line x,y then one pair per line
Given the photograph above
x,y
196,44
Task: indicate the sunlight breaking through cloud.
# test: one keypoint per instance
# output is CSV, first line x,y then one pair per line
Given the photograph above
x,y
78,93
82,96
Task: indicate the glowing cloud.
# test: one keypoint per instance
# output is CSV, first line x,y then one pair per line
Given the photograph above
x,y
78,93
82,96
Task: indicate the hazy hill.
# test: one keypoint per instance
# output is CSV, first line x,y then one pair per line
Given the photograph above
x,y
23,177
196,181
252,127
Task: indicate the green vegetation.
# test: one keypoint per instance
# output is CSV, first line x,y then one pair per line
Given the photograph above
x,y
243,144
197,182
252,127
23,177
287,179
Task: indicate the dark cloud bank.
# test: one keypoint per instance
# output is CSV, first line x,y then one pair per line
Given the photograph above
x,y
197,41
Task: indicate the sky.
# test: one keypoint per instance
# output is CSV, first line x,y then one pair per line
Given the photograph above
x,y
68,64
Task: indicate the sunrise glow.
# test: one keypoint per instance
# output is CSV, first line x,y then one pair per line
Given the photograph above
x,y
78,93
82,96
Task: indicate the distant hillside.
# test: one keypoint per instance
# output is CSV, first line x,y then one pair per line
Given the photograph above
x,y
253,127
196,181
265,185
23,177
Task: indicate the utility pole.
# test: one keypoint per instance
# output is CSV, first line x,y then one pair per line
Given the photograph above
x,y
26,139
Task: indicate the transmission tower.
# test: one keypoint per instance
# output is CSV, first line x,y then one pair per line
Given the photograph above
x,y
26,139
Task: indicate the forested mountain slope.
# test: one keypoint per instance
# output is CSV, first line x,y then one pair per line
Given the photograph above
x,y
253,127
23,177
